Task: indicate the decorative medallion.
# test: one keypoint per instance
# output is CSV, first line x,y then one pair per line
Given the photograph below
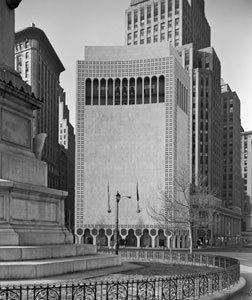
x,y
79,231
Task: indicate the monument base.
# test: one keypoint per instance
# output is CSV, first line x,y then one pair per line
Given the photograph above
x,y
31,215
35,262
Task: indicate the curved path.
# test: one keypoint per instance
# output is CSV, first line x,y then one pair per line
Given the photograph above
x,y
245,257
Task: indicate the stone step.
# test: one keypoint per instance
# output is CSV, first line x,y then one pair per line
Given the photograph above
x,y
22,253
34,269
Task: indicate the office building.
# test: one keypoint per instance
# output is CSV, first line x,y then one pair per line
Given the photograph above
x,y
178,21
232,175
246,166
40,66
67,141
132,128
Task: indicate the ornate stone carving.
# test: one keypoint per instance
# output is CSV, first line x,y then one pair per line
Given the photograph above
x,y
13,3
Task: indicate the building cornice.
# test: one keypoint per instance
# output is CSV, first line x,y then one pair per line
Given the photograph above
x,y
40,36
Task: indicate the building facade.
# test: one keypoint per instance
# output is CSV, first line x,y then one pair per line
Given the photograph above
x,y
232,174
180,22
67,141
39,65
246,167
132,128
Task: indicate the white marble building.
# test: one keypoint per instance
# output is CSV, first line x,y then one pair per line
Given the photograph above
x,y
132,126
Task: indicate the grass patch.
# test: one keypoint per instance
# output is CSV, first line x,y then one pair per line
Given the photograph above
x,y
163,269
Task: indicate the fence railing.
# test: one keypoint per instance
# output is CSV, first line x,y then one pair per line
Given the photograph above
x,y
187,286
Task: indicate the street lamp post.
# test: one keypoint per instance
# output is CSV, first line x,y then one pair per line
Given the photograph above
x,y
116,239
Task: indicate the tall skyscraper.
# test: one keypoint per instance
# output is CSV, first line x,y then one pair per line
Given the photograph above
x,y
40,66
180,22
232,176
206,119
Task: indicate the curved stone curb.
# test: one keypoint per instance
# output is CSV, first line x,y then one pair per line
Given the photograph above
x,y
226,294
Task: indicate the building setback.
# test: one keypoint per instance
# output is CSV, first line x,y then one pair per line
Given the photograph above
x,y
39,65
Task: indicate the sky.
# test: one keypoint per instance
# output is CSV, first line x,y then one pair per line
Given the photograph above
x,y
72,24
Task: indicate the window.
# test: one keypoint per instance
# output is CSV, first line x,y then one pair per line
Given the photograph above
x,y
155,38
148,14
161,89
132,91
124,91
139,90
162,10
103,92
146,90
142,16
110,91
27,55
176,7
155,12
155,28
154,89
26,69
169,24
207,62
176,21
95,91
135,18
129,38
88,91
117,91
129,21
169,8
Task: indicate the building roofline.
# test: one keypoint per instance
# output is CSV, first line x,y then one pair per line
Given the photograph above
x,y
38,34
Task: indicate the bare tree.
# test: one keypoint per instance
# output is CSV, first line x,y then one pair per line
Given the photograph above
x,y
189,206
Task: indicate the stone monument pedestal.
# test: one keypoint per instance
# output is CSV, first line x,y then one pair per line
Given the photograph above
x,y
34,241
31,215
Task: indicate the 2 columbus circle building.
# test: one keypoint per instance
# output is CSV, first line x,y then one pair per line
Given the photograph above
x,y
146,112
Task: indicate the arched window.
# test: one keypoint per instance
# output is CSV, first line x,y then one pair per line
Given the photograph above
x,y
132,92
154,89
117,91
139,90
103,92
110,91
88,91
95,91
161,89
146,90
124,91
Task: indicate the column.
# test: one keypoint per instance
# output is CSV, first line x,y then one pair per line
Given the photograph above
x,y
153,241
